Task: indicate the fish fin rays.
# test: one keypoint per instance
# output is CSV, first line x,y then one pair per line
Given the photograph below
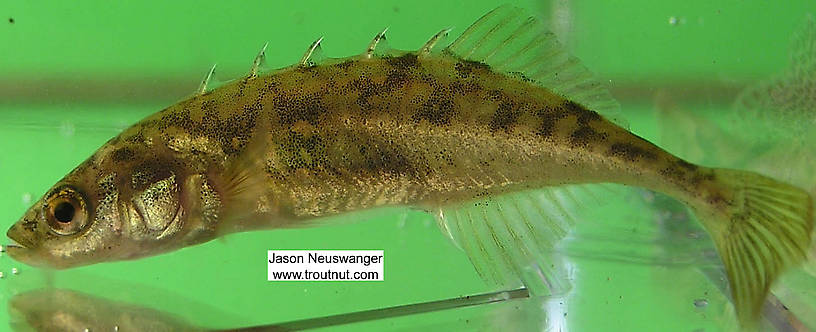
x,y
764,231
511,238
512,42
314,55
242,183
208,83
433,42
259,63
378,46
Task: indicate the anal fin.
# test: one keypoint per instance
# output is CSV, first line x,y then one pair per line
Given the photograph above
x,y
510,238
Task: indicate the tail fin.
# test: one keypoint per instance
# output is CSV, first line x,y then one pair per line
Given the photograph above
x,y
762,228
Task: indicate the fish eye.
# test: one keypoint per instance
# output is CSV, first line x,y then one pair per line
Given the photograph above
x,y
65,211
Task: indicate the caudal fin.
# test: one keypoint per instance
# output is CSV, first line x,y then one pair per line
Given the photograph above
x,y
761,227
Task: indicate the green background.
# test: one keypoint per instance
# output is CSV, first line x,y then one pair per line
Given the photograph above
x,y
73,74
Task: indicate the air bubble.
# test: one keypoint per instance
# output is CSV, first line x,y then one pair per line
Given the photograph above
x,y
401,222
674,20
26,198
67,129
648,196
700,303
503,296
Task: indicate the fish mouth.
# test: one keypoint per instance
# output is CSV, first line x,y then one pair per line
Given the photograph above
x,y
18,247
14,245
20,238
24,254
15,250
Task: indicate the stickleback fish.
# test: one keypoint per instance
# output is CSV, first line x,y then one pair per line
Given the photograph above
x,y
481,133
66,310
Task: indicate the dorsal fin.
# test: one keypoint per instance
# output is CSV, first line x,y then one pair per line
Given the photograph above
x,y
510,41
313,55
431,43
259,62
378,45
205,83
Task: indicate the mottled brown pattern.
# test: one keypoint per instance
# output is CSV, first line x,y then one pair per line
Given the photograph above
x,y
349,135
437,110
585,136
368,119
505,116
123,154
421,129
631,152
549,116
466,68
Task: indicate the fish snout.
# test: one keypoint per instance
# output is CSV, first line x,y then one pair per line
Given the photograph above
x,y
24,232
24,237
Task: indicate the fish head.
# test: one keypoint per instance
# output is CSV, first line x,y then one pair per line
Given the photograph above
x,y
73,224
106,209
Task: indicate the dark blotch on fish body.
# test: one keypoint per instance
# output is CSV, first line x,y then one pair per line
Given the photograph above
x,y
689,166
584,115
404,62
291,109
631,152
151,171
505,117
231,133
584,136
437,110
465,68
304,152
549,119
122,154
380,156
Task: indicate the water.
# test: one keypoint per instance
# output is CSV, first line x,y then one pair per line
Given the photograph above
x,y
72,76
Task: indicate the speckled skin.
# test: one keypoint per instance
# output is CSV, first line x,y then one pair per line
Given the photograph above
x,y
279,149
